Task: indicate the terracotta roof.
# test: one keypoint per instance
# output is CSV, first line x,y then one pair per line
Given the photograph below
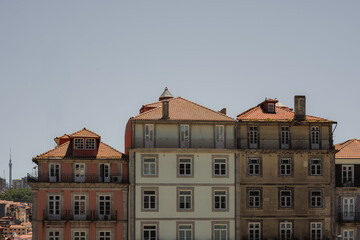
x,y
182,110
348,149
282,113
84,133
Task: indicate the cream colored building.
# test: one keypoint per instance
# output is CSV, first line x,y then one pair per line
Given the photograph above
x,y
286,173
182,171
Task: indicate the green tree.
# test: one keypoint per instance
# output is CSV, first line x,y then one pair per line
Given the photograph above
x,y
17,195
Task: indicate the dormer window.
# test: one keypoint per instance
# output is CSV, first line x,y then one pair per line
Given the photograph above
x,y
90,144
78,143
271,107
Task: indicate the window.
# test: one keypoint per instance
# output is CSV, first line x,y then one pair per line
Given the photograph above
x,y
184,167
285,230
285,167
79,235
285,197
271,107
104,169
149,166
254,198
149,232
184,136
79,143
79,207
315,231
220,167
347,175
54,235
90,143
79,172
54,210
254,167
220,232
219,136
104,235
316,198
315,137
348,209
348,235
315,167
149,135
253,137
104,207
254,230
54,173
149,199
220,198
185,232
185,199
285,138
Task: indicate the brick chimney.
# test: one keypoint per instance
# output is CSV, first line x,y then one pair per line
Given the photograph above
x,y
223,111
300,106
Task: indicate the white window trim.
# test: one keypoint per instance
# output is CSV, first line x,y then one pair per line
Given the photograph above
x,y
79,230
52,216
93,146
316,228
258,163
156,194
79,178
283,227
226,224
103,216
346,235
256,227
149,138
191,163
104,230
253,197
184,138
76,147
220,175
80,217
181,189
214,191
60,230
347,171
153,224
53,178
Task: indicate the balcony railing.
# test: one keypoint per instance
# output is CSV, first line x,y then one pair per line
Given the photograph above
x,y
71,178
349,217
68,215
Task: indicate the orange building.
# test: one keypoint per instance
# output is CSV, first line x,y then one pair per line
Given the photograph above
x,y
81,190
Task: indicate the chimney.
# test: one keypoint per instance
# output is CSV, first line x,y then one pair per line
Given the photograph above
x,y
299,105
223,111
165,109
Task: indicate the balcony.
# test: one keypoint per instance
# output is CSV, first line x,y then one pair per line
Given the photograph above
x,y
348,217
71,178
68,215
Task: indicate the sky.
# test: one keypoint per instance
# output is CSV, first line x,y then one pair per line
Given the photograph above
x,y
66,65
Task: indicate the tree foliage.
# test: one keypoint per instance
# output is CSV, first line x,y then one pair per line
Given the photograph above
x,y
17,195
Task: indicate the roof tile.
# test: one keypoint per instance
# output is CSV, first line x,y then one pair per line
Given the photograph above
x,y
348,149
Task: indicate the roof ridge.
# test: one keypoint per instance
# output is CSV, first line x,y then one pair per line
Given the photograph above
x,y
207,108
246,111
83,130
346,143
61,145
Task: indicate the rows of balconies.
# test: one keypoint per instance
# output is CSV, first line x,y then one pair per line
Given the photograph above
x,y
71,178
91,215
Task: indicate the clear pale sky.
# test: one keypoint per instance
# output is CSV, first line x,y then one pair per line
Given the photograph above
x,y
65,65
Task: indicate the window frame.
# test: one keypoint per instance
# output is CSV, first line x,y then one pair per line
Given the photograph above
x,y
178,199
348,237
285,137
257,228
79,177
98,231
214,158
291,196
220,223
80,216
311,196
153,224
156,199
156,162
60,230
77,142
259,190
347,166
253,137
111,201
214,196
73,231
260,166
219,136
290,165
320,166
149,138
315,137
286,229
184,139
316,229
191,163
178,224
52,216
92,145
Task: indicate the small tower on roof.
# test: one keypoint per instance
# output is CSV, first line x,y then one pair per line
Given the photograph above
x,y
165,95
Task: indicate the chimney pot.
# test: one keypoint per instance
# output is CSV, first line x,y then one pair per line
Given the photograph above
x,y
300,107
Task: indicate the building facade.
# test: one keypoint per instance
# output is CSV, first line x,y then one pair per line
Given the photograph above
x,y
182,171
286,177
80,191
347,199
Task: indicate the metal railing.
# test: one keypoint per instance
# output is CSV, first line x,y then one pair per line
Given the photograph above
x,y
71,178
68,215
349,217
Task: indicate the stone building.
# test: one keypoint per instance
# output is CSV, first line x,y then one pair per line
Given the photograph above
x,y
285,173
347,199
181,170
81,190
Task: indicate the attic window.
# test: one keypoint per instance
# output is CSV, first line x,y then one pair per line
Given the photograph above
x,y
90,143
78,143
271,107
